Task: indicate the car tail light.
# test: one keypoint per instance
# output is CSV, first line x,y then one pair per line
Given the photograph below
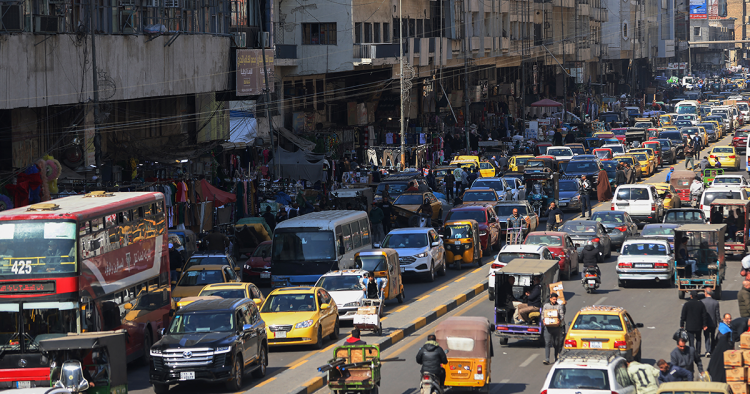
x,y
612,205
712,156
732,157
622,228
571,343
621,345
595,240
496,266
502,328
661,265
653,207
479,369
532,330
453,367
625,265
543,392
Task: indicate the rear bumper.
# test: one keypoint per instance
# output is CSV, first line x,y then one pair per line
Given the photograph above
x,y
645,218
644,275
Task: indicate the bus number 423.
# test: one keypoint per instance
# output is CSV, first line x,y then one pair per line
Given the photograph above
x,y
21,267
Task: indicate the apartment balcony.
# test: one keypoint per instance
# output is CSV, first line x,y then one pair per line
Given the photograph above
x,y
505,44
504,6
583,54
583,10
376,54
286,55
563,3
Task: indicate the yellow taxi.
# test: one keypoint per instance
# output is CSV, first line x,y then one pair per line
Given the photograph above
x,y
647,167
633,162
719,127
606,328
300,316
726,155
665,120
518,160
670,127
486,169
227,290
196,277
651,155
668,195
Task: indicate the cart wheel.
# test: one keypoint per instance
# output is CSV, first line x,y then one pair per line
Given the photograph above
x,y
680,294
504,341
400,297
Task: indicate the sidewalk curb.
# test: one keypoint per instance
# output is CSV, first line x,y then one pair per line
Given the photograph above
x,y
399,335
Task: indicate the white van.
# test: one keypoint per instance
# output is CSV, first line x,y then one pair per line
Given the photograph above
x,y
713,193
641,202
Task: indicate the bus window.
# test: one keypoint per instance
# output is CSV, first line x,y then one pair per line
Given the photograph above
x,y
356,235
97,224
365,229
85,229
125,217
347,237
111,220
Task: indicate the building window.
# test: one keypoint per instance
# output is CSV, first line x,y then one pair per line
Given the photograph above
x,y
386,32
376,33
319,34
368,32
358,33
697,31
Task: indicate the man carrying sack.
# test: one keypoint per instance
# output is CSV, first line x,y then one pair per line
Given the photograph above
x,y
553,317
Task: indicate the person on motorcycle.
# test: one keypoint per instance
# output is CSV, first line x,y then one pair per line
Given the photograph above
x,y
591,258
426,210
430,357
696,190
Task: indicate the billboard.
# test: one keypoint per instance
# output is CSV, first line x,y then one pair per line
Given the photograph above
x,y
698,9
250,80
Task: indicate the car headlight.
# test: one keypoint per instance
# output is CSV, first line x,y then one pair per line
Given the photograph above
x,y
482,233
304,324
247,266
222,349
351,304
155,353
419,256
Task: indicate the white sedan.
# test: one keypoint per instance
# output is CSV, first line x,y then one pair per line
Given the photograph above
x,y
645,259
560,152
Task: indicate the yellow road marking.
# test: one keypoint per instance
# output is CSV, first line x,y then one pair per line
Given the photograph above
x,y
401,309
298,364
477,270
328,348
314,384
419,323
423,297
442,288
460,279
261,384
441,310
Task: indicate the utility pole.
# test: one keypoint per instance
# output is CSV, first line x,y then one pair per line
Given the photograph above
x,y
401,82
276,160
467,53
97,136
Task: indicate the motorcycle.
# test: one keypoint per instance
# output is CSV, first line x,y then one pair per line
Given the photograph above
x,y
695,199
430,384
537,199
591,279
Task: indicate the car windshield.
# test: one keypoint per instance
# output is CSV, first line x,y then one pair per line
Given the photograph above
x,y
721,149
41,247
616,149
371,263
578,379
507,257
201,278
405,240
409,199
606,118
190,323
494,185
458,231
568,186
224,293
503,211
206,260
474,214
710,196
674,136
578,228
340,283
632,193
546,240
263,250
644,249
640,156
394,190
665,142
658,230
471,195
559,152
295,246
289,303
643,125
608,217
741,133
520,161
727,181
602,153
582,166
685,216
686,109
609,165
597,322
577,150
628,160
535,163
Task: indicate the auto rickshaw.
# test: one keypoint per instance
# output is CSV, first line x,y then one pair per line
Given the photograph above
x,y
709,174
603,153
681,180
462,246
468,344
91,362
524,271
734,213
704,266
354,369
383,263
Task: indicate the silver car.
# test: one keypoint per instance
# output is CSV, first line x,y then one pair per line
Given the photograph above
x,y
618,224
582,231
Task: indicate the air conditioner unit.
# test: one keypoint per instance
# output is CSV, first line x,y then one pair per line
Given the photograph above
x,y
239,40
265,39
124,3
171,3
11,18
45,24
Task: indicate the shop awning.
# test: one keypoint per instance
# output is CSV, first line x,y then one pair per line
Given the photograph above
x,y
546,103
206,192
299,141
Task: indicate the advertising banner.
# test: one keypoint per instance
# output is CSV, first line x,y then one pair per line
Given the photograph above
x,y
698,9
250,81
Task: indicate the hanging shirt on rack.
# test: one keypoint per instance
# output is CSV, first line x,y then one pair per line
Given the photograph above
x,y
422,138
389,138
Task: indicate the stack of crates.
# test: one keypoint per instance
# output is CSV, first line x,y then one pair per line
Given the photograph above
x,y
737,366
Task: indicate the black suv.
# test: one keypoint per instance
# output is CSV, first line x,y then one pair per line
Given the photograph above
x,y
211,341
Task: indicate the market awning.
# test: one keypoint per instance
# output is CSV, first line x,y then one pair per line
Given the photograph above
x,y
546,103
243,127
300,142
206,192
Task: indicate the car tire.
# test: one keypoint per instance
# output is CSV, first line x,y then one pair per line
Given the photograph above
x,y
335,334
566,276
637,356
620,283
430,275
717,292
680,294
161,388
147,342
401,296
319,343
609,252
235,382
503,341
260,372
443,269
496,247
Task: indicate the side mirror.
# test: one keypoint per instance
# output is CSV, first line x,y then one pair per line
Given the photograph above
x,y
257,301
376,246
247,327
324,306
128,306
639,325
163,331
435,244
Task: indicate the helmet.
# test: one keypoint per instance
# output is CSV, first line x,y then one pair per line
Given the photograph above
x,y
589,243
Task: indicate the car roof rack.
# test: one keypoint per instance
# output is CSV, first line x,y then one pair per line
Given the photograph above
x,y
587,356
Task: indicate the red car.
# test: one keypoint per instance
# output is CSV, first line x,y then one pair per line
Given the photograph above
x,y
257,269
489,226
561,246
656,146
620,134
739,141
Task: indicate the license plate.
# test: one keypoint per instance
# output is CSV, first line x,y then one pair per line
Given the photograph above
x,y
187,375
623,204
265,275
403,270
478,376
279,334
23,384
563,204
592,282
643,266
595,345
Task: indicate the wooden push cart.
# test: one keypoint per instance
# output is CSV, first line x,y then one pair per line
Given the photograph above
x,y
368,316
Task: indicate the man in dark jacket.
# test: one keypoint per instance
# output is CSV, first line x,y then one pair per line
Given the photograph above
x,y
552,214
694,319
431,356
449,180
386,207
216,241
714,314
672,373
375,174
473,176
533,300
270,218
557,138
570,138
431,181
590,257
743,299
684,356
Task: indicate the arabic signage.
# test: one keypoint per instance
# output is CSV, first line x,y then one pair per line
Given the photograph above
x,y
27,287
698,9
250,68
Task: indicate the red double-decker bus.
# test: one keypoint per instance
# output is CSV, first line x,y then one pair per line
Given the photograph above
x,y
81,263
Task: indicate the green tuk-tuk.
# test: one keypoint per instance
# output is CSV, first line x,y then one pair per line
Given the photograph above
x,y
709,174
91,363
699,262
